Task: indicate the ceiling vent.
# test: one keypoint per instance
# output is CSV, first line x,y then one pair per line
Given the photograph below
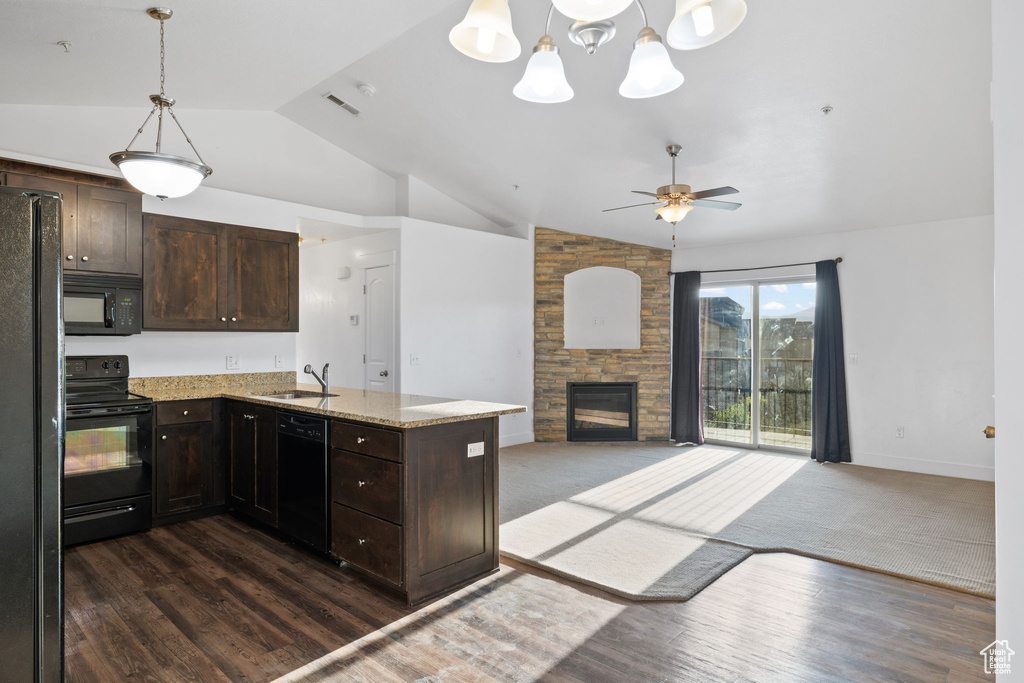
x,y
342,103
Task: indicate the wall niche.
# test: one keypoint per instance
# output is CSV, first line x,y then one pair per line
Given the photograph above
x,y
602,309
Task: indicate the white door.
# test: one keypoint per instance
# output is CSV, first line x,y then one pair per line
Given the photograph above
x,y
380,328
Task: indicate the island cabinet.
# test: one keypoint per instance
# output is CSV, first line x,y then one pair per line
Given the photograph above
x,y
416,508
188,470
199,275
102,226
252,453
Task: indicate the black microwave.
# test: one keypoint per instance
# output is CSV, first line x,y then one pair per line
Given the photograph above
x,y
102,304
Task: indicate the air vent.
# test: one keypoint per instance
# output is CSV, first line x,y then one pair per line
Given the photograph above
x,y
342,103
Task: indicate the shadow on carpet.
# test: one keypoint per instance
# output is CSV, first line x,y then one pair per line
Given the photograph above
x,y
660,522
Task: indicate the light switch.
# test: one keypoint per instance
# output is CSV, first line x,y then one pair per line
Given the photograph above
x,y
474,450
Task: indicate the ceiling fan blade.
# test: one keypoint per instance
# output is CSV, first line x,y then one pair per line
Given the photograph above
x,y
631,206
649,194
711,204
717,192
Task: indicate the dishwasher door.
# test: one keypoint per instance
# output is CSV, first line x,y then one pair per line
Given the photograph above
x,y
302,481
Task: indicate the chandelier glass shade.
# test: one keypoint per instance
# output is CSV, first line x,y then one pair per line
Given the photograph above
x,y
651,72
486,33
157,173
674,211
591,10
544,81
699,23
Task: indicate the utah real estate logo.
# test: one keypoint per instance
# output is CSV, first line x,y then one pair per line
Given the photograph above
x,y
997,657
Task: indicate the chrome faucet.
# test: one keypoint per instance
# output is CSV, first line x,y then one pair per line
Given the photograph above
x,y
325,383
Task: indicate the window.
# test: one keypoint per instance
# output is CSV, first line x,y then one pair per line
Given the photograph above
x,y
757,339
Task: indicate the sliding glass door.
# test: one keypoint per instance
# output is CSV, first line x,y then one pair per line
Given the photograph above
x,y
757,339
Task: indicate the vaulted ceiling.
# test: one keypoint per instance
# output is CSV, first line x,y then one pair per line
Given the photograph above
x,y
908,140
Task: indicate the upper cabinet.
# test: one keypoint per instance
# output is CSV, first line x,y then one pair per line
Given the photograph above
x,y
102,226
199,275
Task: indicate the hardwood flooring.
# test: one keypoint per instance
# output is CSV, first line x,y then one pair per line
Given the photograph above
x,y
216,600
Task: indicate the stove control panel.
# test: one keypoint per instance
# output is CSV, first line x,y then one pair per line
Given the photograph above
x,y
95,367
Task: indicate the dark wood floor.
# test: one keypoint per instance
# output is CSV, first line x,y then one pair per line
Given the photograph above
x,y
216,600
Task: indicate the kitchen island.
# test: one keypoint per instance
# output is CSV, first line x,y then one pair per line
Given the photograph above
x,y
411,487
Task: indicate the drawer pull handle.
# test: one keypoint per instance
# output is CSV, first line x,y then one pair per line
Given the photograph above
x,y
360,439
362,541
163,438
363,483
184,412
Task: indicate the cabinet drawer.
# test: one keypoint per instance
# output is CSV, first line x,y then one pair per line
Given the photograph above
x,y
181,412
367,484
367,542
367,440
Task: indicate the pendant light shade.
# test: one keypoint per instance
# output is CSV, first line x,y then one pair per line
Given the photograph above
x,y
156,173
486,33
674,211
699,23
651,72
544,81
591,10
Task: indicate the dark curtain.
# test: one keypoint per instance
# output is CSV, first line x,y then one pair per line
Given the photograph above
x,y
830,424
687,423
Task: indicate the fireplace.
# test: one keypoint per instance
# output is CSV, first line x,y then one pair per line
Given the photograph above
x,y
601,411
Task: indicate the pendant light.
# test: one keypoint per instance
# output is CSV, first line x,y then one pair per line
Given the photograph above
x,y
651,72
699,23
544,81
156,173
591,10
486,33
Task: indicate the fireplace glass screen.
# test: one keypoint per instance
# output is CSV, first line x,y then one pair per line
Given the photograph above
x,y
601,411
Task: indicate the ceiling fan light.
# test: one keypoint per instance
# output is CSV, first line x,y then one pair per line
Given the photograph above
x,y
651,72
486,33
161,175
699,23
674,211
544,80
591,10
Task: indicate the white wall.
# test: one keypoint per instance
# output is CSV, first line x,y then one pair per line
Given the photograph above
x,y
326,303
1008,102
467,312
416,199
918,312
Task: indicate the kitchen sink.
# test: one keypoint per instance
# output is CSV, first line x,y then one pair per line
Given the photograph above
x,y
297,394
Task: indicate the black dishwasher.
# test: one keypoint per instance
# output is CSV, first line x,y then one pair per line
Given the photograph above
x,y
302,493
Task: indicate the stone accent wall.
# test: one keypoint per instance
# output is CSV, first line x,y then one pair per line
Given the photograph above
x,y
557,255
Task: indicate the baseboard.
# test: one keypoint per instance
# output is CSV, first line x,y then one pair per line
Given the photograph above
x,y
506,440
943,469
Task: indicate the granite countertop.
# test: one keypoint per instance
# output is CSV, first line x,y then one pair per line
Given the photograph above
x,y
376,407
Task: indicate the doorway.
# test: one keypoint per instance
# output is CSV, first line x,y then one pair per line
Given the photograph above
x,y
757,342
379,362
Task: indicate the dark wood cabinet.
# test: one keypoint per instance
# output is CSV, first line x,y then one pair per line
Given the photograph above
x,y
199,275
188,469
252,453
102,230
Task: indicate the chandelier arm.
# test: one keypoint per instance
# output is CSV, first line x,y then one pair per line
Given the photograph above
x,y
139,131
643,13
187,138
547,26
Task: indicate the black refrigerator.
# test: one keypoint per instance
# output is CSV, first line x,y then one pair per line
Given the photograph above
x,y
31,436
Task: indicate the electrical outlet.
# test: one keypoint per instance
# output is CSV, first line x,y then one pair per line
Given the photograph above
x,y
278,361
598,321
475,450
853,358
414,359
899,432
233,362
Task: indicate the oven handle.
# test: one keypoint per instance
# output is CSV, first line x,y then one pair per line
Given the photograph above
x,y
100,514
112,412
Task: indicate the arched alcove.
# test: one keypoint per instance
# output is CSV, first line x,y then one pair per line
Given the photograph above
x,y
602,309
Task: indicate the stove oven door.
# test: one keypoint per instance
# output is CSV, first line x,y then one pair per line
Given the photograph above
x,y
107,454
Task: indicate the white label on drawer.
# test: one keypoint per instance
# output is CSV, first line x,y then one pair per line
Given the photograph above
x,y
475,449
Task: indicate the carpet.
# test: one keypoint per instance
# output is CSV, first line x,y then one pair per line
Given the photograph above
x,y
661,522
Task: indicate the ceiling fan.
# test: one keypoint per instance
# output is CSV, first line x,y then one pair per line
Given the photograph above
x,y
677,200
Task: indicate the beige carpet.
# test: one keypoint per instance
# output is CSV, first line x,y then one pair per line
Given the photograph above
x,y
660,522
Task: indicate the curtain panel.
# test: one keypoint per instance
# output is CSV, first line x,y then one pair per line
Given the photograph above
x,y
830,423
687,419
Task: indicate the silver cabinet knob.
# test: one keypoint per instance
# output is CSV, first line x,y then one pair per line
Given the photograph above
x,y
234,320
383,373
223,320
362,541
85,258
163,438
361,484
71,257
360,439
184,412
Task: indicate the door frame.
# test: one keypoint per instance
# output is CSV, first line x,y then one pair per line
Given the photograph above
x,y
378,260
755,285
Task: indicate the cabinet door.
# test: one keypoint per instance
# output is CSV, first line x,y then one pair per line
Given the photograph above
x,y
263,289
69,193
184,275
265,485
184,467
109,230
242,456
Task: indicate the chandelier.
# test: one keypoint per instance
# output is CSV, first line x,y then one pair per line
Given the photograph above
x,y
156,173
486,35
